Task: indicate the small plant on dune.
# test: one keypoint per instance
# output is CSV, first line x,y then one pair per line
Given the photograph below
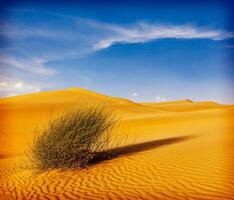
x,y
72,139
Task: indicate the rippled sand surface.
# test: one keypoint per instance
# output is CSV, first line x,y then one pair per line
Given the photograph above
x,y
176,150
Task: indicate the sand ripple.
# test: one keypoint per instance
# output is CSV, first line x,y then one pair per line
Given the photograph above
x,y
197,168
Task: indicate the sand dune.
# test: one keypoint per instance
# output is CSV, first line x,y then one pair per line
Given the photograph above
x,y
173,150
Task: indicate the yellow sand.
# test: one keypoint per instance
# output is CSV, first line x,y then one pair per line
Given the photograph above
x,y
184,150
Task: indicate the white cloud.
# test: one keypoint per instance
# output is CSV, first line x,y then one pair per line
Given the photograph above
x,y
36,66
160,99
135,94
11,87
18,85
143,32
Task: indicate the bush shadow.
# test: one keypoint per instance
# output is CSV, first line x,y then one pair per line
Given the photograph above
x,y
135,148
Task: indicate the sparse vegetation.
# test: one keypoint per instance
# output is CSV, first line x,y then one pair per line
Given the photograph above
x,y
73,138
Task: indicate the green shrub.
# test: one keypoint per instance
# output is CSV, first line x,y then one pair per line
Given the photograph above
x,y
72,139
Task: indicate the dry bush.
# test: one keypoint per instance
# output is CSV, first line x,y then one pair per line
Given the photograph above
x,y
73,138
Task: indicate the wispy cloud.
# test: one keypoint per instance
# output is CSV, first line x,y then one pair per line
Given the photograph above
x,y
35,65
15,32
74,37
145,32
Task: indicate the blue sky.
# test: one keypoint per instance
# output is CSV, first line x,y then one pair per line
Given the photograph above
x,y
144,51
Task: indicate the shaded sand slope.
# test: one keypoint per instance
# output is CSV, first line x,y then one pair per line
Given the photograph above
x,y
181,150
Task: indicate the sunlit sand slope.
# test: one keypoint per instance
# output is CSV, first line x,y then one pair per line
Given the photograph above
x,y
176,150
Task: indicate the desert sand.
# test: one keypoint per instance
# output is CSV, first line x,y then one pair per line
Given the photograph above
x,y
180,150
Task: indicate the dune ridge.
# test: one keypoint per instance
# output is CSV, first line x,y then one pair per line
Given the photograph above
x,y
173,150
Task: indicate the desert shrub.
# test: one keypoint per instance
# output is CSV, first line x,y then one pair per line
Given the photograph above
x,y
73,138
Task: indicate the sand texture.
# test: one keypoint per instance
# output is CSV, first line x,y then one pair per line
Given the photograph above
x,y
175,150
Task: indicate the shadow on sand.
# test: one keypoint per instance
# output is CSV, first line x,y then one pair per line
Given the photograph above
x,y
135,148
110,154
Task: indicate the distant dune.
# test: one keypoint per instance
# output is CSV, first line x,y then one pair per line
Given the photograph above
x,y
179,150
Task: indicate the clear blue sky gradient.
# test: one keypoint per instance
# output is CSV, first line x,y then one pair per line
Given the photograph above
x,y
56,46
